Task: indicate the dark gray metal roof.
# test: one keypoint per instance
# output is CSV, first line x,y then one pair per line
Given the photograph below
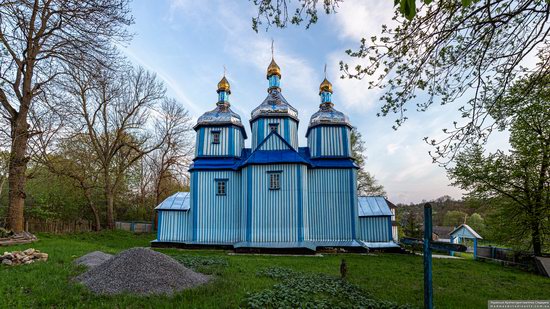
x,y
179,201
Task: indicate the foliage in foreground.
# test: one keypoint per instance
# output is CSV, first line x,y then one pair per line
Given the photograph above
x,y
311,290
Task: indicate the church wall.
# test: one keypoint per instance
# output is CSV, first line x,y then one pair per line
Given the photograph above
x,y
375,229
329,141
275,215
216,218
288,129
174,226
231,142
332,204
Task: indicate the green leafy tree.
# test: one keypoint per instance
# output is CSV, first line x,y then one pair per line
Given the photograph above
x,y
519,179
476,222
449,51
366,183
454,218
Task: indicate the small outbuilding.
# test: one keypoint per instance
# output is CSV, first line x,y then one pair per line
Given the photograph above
x,y
464,231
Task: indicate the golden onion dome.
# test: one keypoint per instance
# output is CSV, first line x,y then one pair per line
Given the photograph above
x,y
223,85
325,86
273,69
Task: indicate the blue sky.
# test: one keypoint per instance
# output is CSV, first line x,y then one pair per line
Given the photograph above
x,y
188,42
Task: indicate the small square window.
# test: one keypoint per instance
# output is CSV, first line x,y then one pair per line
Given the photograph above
x,y
215,137
274,181
221,186
273,127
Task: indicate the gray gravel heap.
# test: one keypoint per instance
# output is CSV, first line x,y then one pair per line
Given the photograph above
x,y
140,271
93,259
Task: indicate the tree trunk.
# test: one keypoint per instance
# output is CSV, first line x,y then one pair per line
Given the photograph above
x,y
536,239
109,200
97,221
17,169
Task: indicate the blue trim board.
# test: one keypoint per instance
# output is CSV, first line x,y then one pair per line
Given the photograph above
x,y
352,202
249,205
327,125
345,141
300,206
159,222
319,143
201,141
287,129
390,229
260,131
194,208
231,141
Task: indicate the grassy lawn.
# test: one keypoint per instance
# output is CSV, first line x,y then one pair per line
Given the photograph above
x,y
391,277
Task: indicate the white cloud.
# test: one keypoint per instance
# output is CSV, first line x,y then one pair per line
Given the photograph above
x,y
358,19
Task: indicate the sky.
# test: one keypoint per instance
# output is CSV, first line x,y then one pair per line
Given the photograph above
x,y
188,43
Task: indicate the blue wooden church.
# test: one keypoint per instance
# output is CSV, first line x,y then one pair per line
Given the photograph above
x,y
275,194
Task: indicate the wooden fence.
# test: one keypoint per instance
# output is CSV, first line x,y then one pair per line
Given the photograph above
x,y
57,226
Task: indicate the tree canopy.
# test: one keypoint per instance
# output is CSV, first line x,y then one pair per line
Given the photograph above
x,y
463,52
520,179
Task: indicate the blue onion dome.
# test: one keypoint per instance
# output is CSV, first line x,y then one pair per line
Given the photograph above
x,y
327,114
222,114
274,105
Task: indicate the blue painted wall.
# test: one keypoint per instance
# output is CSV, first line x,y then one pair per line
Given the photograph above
x,y
329,141
231,142
216,217
375,229
275,215
332,204
287,128
175,226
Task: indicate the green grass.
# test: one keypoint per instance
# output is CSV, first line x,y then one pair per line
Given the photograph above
x,y
387,277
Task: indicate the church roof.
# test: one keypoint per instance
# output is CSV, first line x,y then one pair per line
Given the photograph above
x,y
179,201
274,105
220,115
327,114
372,206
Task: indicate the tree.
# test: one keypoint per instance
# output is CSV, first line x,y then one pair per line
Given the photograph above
x,y
37,40
366,183
476,222
454,218
521,178
125,116
450,50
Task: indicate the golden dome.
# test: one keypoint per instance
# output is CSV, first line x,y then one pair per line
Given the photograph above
x,y
273,69
325,86
223,85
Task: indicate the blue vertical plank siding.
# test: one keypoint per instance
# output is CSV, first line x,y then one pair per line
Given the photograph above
x,y
274,142
287,128
329,205
273,213
174,226
329,141
231,142
219,215
375,229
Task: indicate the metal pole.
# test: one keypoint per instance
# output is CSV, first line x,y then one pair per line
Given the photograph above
x,y
428,291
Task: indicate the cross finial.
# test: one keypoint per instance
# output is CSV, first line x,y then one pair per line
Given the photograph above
x,y
272,42
325,70
224,70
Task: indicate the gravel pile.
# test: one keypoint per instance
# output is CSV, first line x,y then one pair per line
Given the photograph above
x,y
140,271
93,259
